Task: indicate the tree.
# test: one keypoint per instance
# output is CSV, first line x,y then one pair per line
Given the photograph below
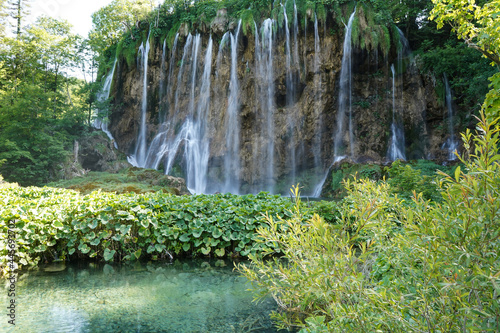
x,y
3,17
56,45
18,10
111,21
478,24
39,116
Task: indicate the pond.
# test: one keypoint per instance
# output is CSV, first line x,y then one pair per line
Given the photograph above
x,y
184,296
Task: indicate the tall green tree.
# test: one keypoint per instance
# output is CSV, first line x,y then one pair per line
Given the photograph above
x,y
478,24
112,21
40,107
18,10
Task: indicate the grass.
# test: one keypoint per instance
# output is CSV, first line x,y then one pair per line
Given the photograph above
x,y
130,180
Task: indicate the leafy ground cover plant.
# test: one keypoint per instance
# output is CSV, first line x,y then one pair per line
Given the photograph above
x,y
53,223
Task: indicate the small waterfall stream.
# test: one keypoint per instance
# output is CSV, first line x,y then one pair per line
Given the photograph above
x,y
102,123
345,98
139,157
232,124
197,142
345,106
396,150
265,98
290,100
397,144
451,144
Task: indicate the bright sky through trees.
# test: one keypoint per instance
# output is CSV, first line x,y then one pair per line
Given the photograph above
x,y
77,12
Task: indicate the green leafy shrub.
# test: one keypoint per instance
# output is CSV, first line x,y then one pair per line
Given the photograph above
x,y
418,176
389,267
321,280
55,223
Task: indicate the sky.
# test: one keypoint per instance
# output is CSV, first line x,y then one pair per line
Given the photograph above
x,y
77,12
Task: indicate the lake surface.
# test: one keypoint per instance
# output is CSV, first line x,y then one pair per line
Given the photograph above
x,y
185,296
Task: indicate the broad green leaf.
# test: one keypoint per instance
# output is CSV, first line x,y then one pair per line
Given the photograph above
x,y
109,254
57,224
220,252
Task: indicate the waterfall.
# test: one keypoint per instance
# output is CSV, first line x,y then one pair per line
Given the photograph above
x,y
159,146
290,100
345,103
139,157
169,90
265,99
192,135
162,81
451,143
232,124
102,123
197,142
318,98
345,92
295,36
396,148
173,144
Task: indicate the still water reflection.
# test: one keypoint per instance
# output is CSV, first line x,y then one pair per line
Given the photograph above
x,y
185,296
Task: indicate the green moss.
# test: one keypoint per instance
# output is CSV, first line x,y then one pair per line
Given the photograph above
x,y
127,49
247,22
321,13
355,37
396,38
347,171
129,180
385,38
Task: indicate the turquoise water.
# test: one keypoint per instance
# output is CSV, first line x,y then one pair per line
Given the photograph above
x,y
189,296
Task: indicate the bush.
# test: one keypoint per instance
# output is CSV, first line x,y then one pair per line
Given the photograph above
x,y
390,267
56,223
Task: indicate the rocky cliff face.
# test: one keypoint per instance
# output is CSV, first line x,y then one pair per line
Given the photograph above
x,y
287,100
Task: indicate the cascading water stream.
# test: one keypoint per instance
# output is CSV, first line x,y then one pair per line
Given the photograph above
x,y
318,99
345,96
396,149
99,122
451,143
265,98
162,81
232,124
139,157
173,144
197,143
290,100
345,105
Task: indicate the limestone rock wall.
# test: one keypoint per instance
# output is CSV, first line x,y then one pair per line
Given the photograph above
x,y
304,127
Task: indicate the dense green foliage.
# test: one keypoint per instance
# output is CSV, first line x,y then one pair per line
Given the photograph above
x,y
404,177
57,223
42,109
389,267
